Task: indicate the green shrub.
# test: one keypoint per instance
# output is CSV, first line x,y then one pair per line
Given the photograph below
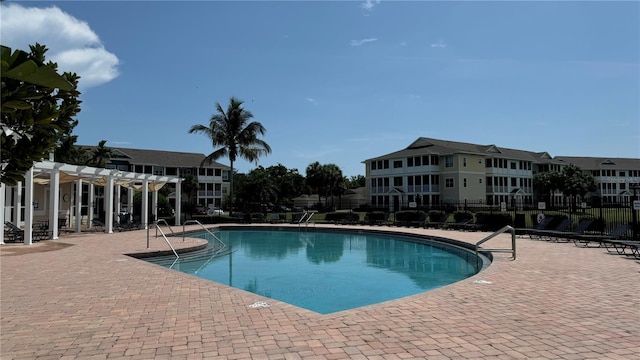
x,y
462,215
435,215
405,216
493,221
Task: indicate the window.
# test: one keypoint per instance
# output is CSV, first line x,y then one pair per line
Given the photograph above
x,y
397,181
218,172
480,181
448,182
434,160
464,182
373,165
448,161
397,164
425,160
409,162
513,165
418,158
464,161
514,181
488,163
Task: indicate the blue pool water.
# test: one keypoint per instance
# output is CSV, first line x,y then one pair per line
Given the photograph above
x,y
332,271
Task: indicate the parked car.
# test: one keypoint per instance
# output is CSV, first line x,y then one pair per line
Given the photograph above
x,y
199,210
215,211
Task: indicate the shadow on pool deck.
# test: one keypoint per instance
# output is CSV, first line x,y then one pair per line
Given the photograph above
x,y
88,300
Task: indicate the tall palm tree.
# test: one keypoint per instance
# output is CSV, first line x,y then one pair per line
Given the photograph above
x,y
100,155
233,134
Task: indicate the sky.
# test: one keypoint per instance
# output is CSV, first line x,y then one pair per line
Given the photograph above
x,y
340,82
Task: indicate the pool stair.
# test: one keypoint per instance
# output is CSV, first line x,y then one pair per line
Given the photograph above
x,y
199,258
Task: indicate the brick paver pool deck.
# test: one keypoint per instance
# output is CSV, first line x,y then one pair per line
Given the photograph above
x,y
79,297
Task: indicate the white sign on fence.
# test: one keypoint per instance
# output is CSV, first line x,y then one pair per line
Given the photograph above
x,y
542,205
636,204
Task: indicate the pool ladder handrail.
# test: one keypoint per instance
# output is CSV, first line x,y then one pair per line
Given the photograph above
x,y
165,239
306,216
503,230
203,228
164,222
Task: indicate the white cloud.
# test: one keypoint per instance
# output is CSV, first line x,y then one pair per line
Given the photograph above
x,y
312,100
368,5
363,41
439,44
71,42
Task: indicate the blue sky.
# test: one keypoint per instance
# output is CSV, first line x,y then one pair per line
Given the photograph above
x,y
341,82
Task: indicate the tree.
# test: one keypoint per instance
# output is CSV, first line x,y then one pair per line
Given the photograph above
x,y
288,182
574,182
325,179
355,182
69,153
100,155
38,106
189,186
545,183
234,135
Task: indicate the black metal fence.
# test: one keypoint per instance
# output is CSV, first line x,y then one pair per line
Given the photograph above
x,y
607,217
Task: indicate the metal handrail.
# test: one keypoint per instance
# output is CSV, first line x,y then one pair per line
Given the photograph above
x,y
166,223
204,228
305,217
503,230
165,239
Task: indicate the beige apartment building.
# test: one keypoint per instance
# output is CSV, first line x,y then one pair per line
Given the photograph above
x,y
432,171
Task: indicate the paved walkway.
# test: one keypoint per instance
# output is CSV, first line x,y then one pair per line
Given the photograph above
x,y
79,297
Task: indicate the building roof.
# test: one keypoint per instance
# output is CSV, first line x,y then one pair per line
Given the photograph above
x,y
601,163
159,157
426,146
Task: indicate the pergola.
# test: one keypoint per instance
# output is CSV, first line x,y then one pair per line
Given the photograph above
x,y
53,174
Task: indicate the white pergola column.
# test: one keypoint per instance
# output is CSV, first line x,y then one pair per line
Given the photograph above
x,y
91,203
78,197
108,203
17,203
54,201
2,210
117,200
28,207
178,202
154,205
145,203
130,194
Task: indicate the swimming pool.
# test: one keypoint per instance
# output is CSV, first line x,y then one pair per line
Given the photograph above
x,y
329,271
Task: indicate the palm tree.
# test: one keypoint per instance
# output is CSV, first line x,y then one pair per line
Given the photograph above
x,y
100,155
234,135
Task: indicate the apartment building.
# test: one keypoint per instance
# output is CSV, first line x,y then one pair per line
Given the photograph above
x,y
213,180
617,178
432,171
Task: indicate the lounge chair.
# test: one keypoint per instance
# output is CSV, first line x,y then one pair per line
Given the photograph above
x,y
583,225
587,240
457,225
542,225
12,232
275,218
622,246
97,224
550,234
